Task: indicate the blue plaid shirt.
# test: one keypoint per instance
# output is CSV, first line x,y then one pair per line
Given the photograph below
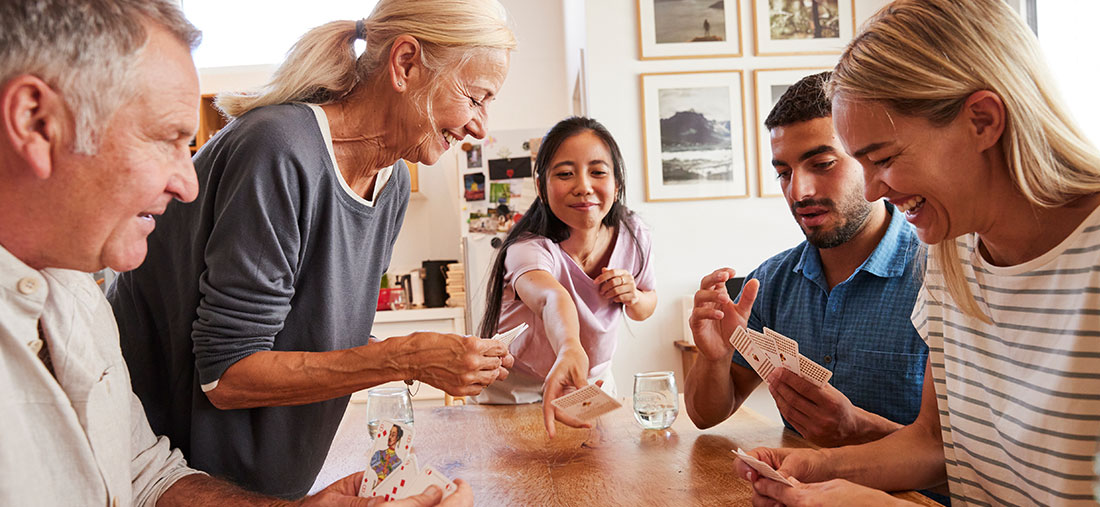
x,y
861,329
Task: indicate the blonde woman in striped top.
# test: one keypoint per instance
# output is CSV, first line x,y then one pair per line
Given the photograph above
x,y
951,111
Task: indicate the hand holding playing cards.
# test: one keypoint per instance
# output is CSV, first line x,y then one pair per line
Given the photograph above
x,y
833,492
339,494
459,365
802,464
715,316
463,497
617,285
822,414
569,373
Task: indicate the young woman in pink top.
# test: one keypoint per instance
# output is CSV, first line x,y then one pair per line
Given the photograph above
x,y
576,259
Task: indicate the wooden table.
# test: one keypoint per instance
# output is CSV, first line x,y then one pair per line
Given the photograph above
x,y
505,455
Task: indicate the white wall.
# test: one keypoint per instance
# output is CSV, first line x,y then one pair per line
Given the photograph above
x,y
690,239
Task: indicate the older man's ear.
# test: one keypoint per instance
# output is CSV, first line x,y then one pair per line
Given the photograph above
x,y
33,116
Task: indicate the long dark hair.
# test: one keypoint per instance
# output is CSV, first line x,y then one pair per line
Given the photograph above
x,y
539,220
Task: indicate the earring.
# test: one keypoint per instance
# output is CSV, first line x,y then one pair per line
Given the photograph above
x,y
400,84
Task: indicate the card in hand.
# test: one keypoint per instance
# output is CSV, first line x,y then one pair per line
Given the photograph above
x,y
586,403
429,476
813,372
391,447
761,468
788,350
509,336
399,483
743,341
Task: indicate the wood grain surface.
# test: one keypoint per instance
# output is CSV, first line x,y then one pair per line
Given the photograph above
x,y
504,453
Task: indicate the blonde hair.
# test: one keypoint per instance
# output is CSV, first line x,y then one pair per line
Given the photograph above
x,y
924,58
322,67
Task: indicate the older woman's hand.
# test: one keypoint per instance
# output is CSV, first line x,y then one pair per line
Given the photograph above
x,y
460,365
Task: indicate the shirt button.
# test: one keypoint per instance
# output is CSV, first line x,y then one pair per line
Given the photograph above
x,y
828,359
27,285
35,346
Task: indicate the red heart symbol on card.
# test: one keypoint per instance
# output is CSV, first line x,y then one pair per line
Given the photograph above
x,y
510,173
402,483
394,491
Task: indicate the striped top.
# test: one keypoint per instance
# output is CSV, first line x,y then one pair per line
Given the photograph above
x,y
1019,399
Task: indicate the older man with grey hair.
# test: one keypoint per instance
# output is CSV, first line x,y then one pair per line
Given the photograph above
x,y
98,103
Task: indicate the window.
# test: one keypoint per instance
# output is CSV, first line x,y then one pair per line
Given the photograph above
x,y
1068,36
260,32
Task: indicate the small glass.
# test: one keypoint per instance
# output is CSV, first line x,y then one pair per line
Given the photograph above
x,y
398,300
656,401
388,403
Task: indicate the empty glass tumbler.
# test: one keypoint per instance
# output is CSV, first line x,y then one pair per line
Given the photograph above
x,y
388,403
656,401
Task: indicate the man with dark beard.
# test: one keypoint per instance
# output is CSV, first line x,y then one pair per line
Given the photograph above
x,y
845,295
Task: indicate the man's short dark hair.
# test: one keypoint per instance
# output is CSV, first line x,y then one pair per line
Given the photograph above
x,y
803,101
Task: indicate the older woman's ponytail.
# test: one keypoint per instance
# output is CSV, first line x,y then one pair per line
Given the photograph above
x,y
322,66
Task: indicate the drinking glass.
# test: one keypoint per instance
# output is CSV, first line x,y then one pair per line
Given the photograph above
x,y
398,300
388,403
656,402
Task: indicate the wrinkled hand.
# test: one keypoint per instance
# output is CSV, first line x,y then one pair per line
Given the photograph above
x,y
828,493
338,494
823,415
617,285
715,317
459,365
569,373
462,497
342,493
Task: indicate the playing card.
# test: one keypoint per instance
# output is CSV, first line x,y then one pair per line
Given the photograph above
x,y
762,468
429,476
390,448
587,403
398,484
766,344
507,337
788,350
813,372
744,343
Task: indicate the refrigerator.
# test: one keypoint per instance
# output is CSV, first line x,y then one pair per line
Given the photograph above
x,y
494,171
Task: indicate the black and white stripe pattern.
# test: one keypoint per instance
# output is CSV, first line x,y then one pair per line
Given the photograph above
x,y
1019,399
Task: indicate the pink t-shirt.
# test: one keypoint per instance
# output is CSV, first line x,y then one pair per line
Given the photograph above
x,y
598,316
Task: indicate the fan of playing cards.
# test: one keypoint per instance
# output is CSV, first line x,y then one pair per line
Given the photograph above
x,y
509,336
394,473
769,350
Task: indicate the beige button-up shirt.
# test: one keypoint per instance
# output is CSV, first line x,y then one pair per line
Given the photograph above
x,y
78,436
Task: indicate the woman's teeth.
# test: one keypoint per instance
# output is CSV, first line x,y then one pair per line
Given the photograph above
x,y
913,203
449,137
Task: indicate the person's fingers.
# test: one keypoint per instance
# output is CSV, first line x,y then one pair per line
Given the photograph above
x,y
701,314
502,373
492,348
549,394
508,361
462,497
748,297
778,492
606,275
710,297
718,276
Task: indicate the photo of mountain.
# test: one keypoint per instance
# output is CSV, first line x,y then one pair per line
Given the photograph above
x,y
696,144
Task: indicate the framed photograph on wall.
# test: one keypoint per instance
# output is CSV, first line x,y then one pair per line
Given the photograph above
x,y
770,85
694,135
689,28
802,27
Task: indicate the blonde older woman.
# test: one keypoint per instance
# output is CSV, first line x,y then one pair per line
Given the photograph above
x,y
951,111
247,328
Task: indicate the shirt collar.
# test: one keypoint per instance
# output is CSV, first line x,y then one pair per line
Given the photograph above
x,y
889,259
